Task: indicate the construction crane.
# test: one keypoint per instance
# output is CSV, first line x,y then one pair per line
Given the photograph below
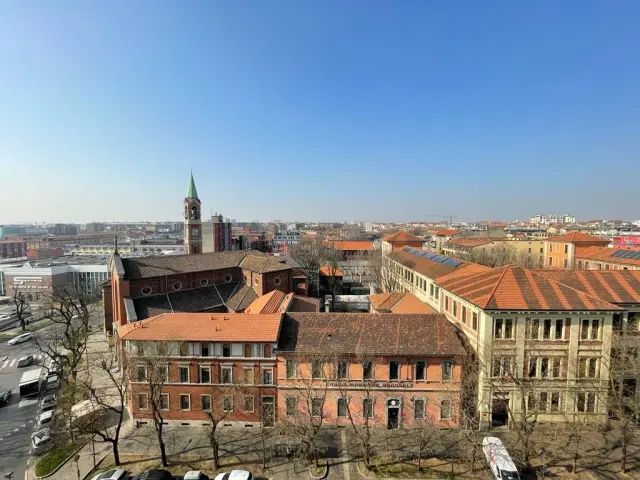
x,y
450,217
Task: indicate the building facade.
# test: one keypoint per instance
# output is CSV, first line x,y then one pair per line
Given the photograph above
x,y
13,248
217,235
192,220
561,251
396,241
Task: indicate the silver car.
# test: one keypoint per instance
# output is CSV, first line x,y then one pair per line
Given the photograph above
x,y
41,441
112,474
20,338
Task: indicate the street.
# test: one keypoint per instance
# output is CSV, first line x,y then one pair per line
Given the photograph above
x,y
18,418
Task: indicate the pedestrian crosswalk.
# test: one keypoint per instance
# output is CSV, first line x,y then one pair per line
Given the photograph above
x,y
11,362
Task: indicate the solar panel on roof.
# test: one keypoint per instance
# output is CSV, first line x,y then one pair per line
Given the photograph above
x,y
636,255
429,255
411,250
439,258
452,262
421,253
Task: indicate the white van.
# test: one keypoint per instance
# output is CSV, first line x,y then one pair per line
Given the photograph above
x,y
500,462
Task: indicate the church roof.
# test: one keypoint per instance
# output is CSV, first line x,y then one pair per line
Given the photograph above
x,y
191,191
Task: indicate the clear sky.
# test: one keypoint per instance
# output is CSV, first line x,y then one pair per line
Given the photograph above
x,y
319,110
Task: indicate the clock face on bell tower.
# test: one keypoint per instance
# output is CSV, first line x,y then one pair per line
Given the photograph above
x,y
195,231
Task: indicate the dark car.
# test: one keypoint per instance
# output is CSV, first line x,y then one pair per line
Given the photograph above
x,y
4,397
155,474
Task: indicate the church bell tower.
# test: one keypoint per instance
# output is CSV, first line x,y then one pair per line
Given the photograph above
x,y
192,220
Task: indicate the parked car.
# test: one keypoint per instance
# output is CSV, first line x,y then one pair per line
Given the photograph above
x,y
195,475
20,338
4,397
49,401
498,458
155,474
45,419
52,382
25,361
235,475
113,474
54,367
41,441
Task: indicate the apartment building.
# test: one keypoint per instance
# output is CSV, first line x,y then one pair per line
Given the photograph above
x,y
539,342
13,248
397,241
561,251
391,370
603,258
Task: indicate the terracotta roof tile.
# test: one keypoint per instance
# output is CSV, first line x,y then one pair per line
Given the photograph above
x,y
447,232
578,237
515,288
425,266
269,303
614,286
304,304
370,334
325,271
401,237
469,242
351,245
162,265
213,327
241,298
604,254
398,302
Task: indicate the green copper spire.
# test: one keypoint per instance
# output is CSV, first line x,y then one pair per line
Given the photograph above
x,y
192,192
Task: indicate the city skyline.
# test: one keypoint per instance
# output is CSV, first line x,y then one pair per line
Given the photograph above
x,y
317,111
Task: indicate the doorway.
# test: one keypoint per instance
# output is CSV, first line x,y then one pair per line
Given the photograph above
x,y
393,414
268,411
499,412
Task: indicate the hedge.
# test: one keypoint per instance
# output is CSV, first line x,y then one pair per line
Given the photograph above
x,y
54,458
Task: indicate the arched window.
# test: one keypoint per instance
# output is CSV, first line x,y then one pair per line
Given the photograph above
x,y
248,350
226,350
267,351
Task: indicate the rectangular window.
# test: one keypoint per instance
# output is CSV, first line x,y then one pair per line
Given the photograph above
x,y
247,376
394,370
550,261
542,405
566,248
595,328
586,402
421,371
316,369
205,374
143,401
205,403
367,370
267,376
475,321
343,369
227,403
431,289
584,333
551,248
185,401
559,329
531,403
227,374
464,314
455,309
557,363
445,409
546,329
446,302
342,407
184,349
544,368
248,403
418,409
291,369
367,407
447,370
497,328
292,406
316,407
164,401
437,293
565,263
555,402
184,374
591,402
535,327
142,373
533,367
226,350
204,349
139,348
508,329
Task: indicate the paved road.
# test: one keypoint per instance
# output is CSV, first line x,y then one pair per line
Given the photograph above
x,y
17,420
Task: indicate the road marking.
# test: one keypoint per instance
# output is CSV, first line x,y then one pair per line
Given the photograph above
x,y
13,362
24,425
30,421
16,430
4,364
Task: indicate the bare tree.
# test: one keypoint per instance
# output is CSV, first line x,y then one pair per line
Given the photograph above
x,y
385,277
69,310
310,256
154,370
331,259
500,255
111,398
22,306
305,406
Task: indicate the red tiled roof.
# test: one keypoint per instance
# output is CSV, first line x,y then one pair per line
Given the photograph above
x,y
398,302
213,327
351,245
469,242
425,266
578,237
604,254
370,334
269,303
325,270
615,286
278,302
401,237
447,232
304,304
516,288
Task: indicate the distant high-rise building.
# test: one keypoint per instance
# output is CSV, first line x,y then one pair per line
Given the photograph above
x,y
94,227
63,229
217,234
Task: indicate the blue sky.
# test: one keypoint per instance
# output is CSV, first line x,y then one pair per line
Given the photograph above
x,y
359,110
